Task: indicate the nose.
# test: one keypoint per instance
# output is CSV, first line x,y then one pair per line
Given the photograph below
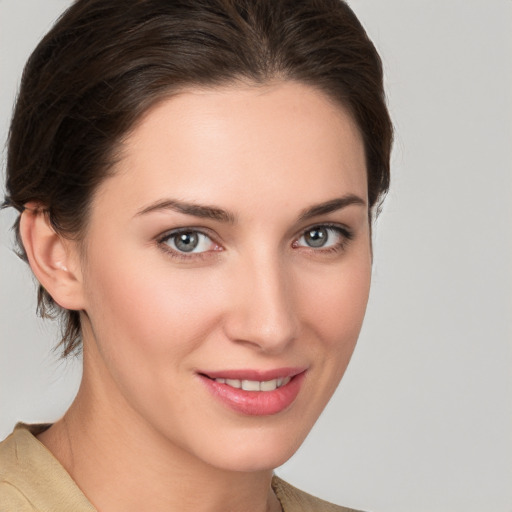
x,y
262,309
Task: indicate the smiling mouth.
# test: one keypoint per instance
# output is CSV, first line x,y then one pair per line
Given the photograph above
x,y
255,385
255,393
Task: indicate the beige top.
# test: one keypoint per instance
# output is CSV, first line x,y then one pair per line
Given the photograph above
x,y
31,479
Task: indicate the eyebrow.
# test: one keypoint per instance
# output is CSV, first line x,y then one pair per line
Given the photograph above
x,y
197,210
214,213
331,206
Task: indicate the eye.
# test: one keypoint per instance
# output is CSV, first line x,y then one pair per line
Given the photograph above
x,y
189,241
323,237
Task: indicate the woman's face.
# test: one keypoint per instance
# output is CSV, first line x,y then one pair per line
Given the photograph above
x,y
230,248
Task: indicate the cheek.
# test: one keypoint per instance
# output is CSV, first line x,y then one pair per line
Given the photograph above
x,y
149,309
336,307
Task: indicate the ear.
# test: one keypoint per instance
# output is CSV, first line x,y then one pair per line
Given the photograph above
x,y
53,259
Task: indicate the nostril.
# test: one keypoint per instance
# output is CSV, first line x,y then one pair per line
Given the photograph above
x,y
260,312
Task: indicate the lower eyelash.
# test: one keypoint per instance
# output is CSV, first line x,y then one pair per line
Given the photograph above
x,y
341,246
177,254
346,237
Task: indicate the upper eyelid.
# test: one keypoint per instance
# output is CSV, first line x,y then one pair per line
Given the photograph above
x,y
341,228
176,231
345,234
162,242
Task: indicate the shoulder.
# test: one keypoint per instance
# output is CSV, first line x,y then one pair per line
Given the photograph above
x,y
12,498
295,500
32,479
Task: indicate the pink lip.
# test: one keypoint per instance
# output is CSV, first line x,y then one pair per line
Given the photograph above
x,y
261,375
255,403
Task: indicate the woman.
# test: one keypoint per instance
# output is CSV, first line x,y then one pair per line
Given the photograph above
x,y
196,183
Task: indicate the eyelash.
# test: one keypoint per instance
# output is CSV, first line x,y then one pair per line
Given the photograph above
x,y
346,237
183,255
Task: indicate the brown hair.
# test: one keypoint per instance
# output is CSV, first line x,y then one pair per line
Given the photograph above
x,y
105,62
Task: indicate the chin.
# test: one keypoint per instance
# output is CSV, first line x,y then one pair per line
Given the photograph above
x,y
260,449
247,459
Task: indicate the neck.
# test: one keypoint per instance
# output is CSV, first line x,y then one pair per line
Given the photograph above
x,y
122,464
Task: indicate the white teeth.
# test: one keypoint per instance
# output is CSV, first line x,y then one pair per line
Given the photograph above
x,y
268,385
250,385
255,385
234,383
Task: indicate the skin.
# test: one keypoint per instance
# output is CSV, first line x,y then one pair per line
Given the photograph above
x,y
257,296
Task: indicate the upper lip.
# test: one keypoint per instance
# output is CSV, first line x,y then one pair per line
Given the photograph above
x,y
256,375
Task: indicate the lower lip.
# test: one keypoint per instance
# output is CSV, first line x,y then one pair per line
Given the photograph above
x,y
256,403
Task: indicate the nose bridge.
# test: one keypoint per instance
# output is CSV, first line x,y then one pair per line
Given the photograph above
x,y
263,312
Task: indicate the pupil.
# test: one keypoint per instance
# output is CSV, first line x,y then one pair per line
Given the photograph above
x,y
186,242
316,237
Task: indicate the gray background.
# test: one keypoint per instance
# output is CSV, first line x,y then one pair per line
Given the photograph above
x,y
422,420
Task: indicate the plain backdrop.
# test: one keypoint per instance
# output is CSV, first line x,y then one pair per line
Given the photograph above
x,y
423,418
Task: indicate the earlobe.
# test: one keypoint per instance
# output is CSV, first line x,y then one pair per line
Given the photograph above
x,y
52,258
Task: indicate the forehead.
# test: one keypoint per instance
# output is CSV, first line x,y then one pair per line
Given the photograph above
x,y
237,143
